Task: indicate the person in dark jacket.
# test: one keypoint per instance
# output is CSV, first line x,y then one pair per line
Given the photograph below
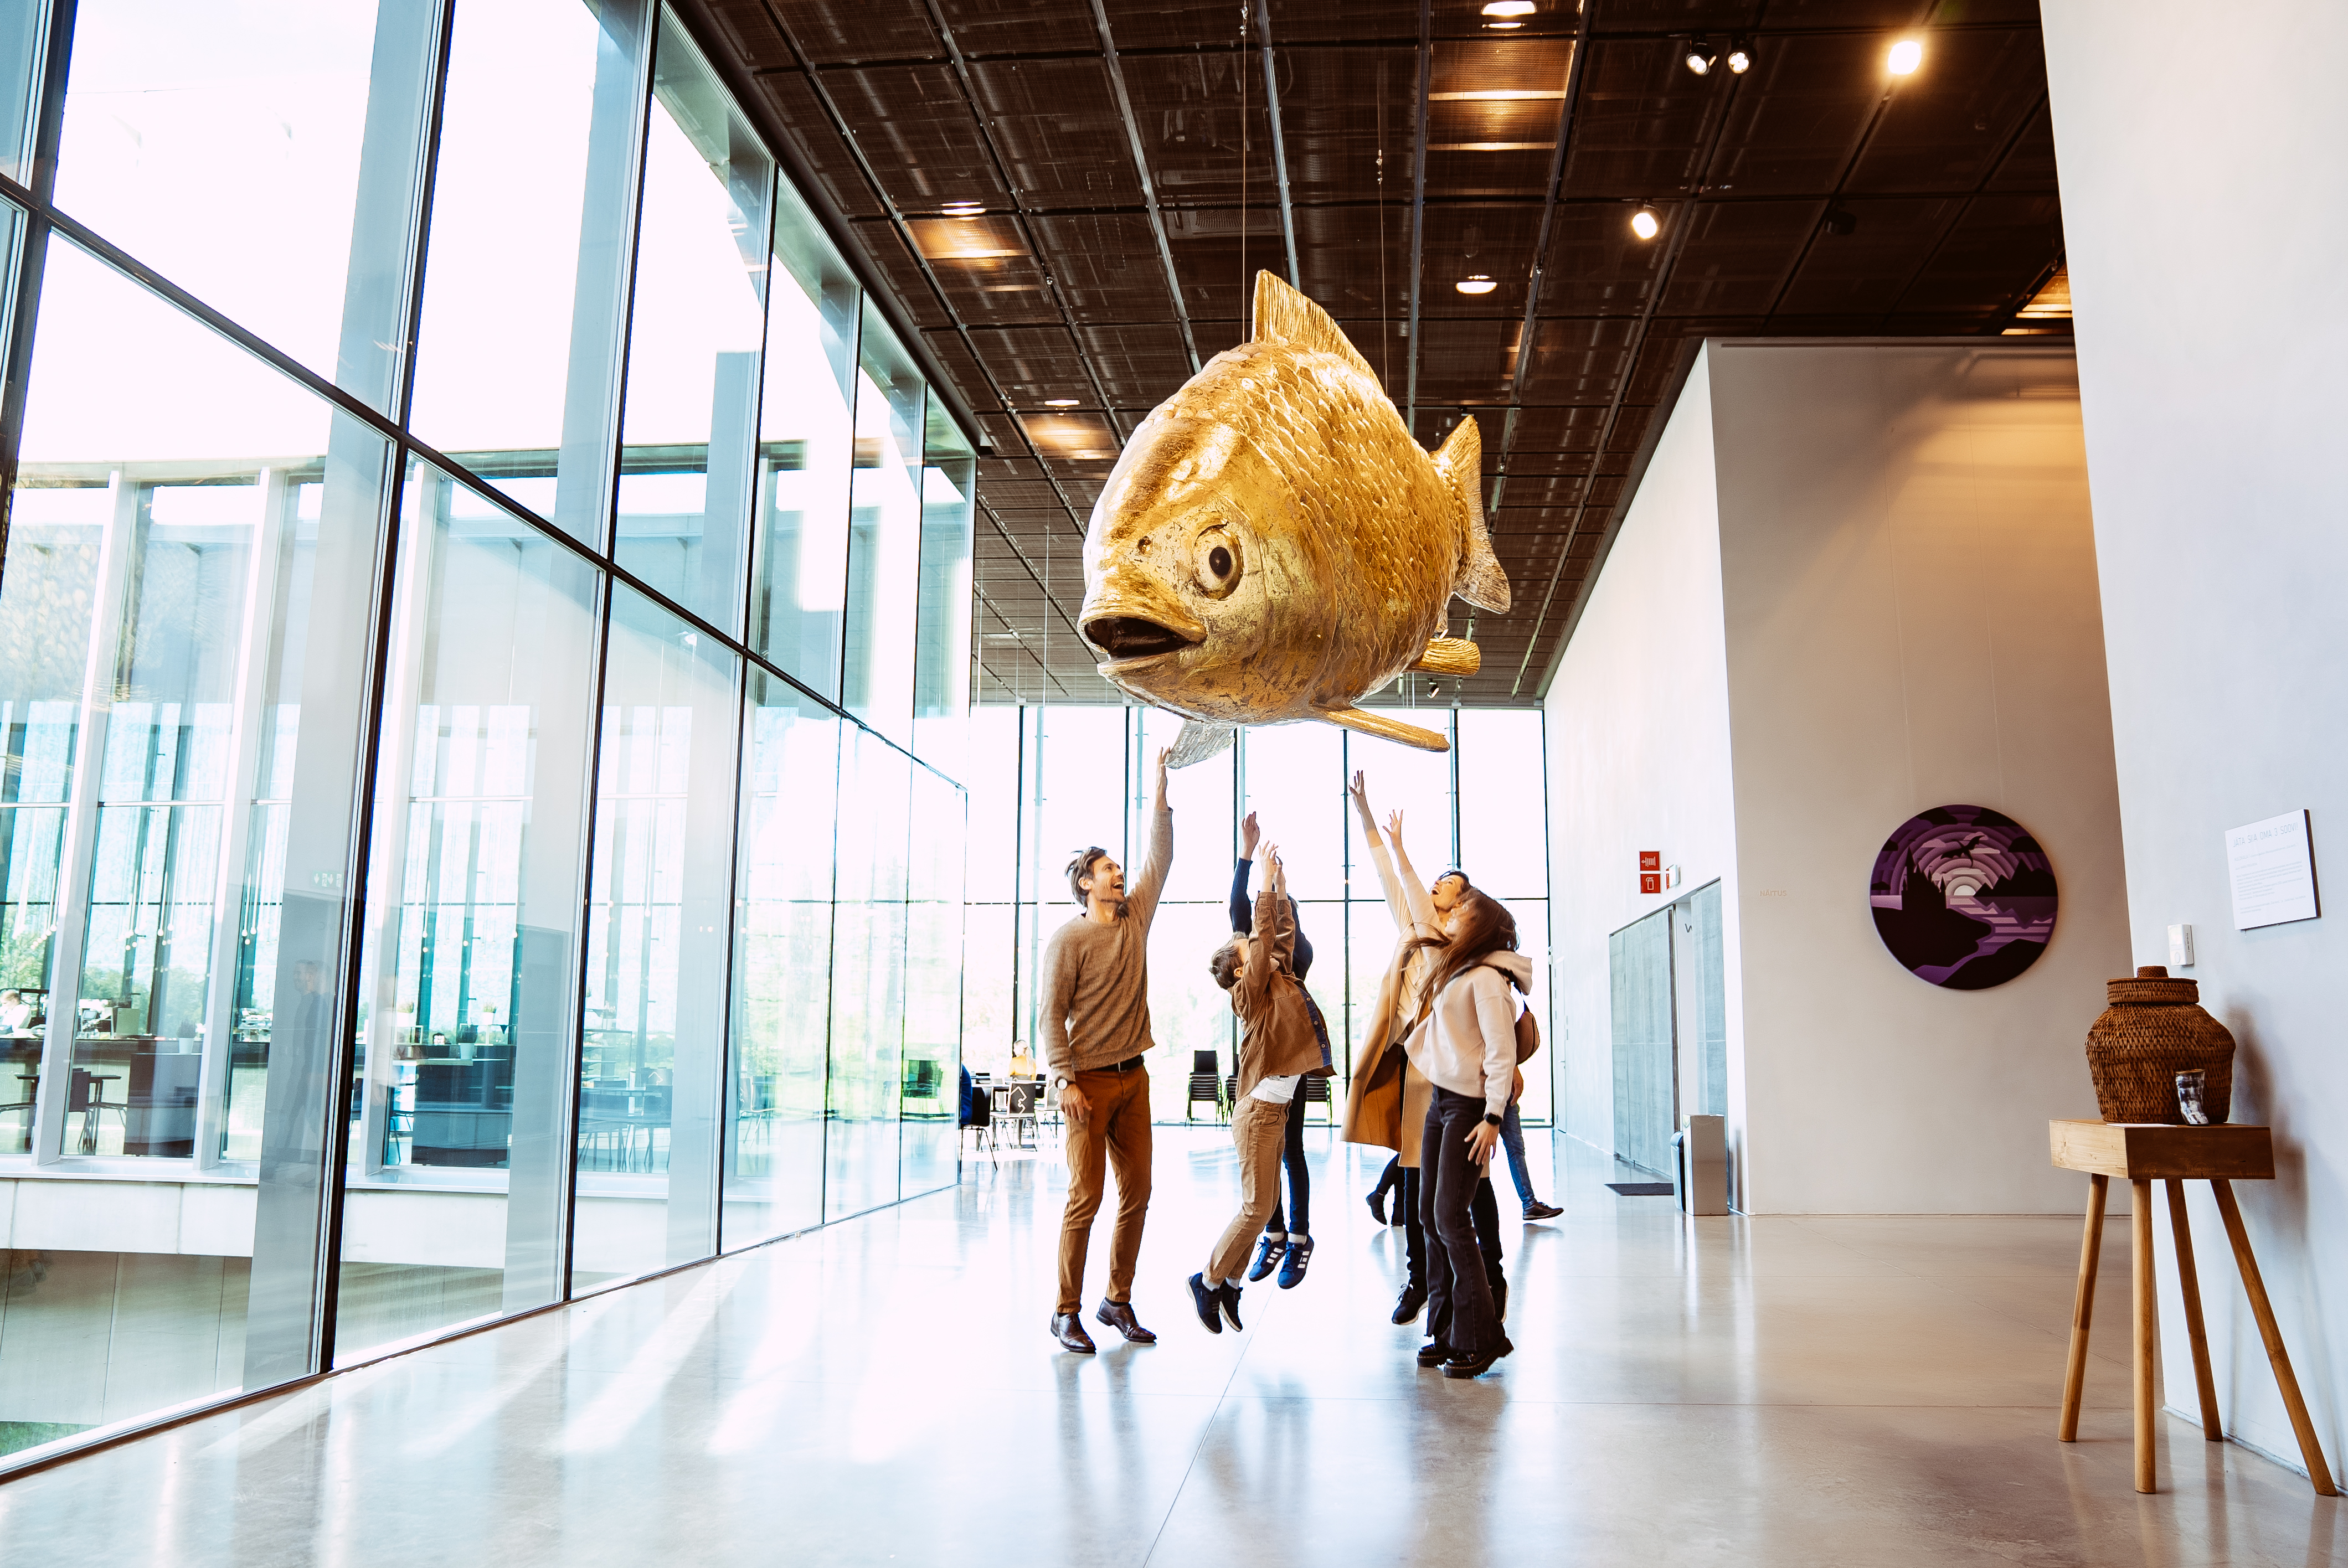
x,y
1287,1240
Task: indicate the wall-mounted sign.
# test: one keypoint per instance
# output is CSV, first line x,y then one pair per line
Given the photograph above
x,y
1650,860
1650,871
1963,896
2272,865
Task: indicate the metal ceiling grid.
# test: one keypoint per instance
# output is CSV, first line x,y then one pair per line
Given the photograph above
x,y
1137,162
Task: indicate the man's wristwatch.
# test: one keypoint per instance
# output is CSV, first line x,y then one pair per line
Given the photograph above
x,y
1490,1119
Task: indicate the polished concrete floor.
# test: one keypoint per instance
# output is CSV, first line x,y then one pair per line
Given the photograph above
x,y
1811,1391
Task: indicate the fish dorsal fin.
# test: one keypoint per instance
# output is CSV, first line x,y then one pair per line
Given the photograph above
x,y
1460,462
1285,315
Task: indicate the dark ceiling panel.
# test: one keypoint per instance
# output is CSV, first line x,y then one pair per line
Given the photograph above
x,y
1946,127
1866,269
1998,253
801,115
1340,109
1637,127
1663,16
1797,117
1579,361
1036,366
1188,108
1018,27
917,130
1141,365
2030,166
1107,266
882,242
868,30
963,366
1352,256
1490,239
1736,255
1046,116
1596,266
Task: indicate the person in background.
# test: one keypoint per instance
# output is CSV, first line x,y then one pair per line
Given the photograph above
x,y
1097,1041
15,1013
1287,1240
1444,896
1277,1049
1467,1052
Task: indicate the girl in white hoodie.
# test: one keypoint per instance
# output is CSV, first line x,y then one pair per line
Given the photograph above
x,y
1466,1049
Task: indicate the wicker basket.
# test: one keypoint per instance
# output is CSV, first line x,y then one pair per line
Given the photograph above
x,y
2153,1031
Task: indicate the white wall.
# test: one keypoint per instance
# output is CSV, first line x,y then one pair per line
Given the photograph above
x,y
1638,749
2206,251
1913,621
1858,581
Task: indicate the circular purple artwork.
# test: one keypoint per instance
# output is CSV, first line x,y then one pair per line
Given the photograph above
x,y
1963,896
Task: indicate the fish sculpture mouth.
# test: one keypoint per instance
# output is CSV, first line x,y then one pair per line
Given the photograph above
x,y
1130,638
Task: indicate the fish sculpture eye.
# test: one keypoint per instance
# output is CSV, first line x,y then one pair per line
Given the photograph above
x,y
1218,563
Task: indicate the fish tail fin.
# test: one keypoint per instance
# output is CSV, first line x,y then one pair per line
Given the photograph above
x,y
1460,462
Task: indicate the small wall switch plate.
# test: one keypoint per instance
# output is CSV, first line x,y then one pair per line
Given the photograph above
x,y
2181,947
1670,876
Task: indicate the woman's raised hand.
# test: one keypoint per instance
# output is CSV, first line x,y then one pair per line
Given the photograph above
x,y
1248,834
1360,789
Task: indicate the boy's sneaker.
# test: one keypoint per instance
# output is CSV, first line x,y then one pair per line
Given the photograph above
x,y
1537,1210
1206,1301
1267,1256
1300,1258
1228,1296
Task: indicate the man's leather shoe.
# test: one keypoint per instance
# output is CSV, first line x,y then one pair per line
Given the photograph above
x,y
1407,1306
1433,1353
1070,1332
1118,1314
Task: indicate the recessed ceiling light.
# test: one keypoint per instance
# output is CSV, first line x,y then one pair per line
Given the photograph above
x,y
1906,55
1478,284
963,209
1740,58
1699,57
1510,8
1500,27
1059,403
1645,223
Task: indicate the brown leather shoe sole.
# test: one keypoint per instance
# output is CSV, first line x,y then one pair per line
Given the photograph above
x,y
1118,1314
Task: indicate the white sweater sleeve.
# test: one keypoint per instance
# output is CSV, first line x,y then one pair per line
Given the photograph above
x,y
1495,1018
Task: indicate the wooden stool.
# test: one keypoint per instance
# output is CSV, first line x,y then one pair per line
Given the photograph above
x,y
2145,1153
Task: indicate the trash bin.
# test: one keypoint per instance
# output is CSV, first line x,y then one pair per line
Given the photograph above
x,y
1699,1165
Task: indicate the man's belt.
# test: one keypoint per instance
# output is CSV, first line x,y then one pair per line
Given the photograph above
x,y
1130,1064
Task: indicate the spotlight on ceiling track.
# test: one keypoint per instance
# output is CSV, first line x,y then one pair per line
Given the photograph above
x,y
1645,223
1906,55
1699,57
1740,58
1477,284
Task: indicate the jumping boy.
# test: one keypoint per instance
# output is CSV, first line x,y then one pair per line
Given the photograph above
x,y
1277,1047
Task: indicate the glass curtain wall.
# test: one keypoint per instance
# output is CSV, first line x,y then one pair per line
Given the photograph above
x,y
530,526
1047,781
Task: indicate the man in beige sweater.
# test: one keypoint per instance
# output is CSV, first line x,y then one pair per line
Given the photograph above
x,y
1096,1035
1277,1047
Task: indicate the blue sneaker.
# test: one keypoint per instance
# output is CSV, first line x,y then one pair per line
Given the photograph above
x,y
1267,1256
1299,1258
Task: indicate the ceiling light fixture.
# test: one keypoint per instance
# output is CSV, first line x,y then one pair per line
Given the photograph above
x,y
1646,223
1477,284
963,209
1500,27
1059,403
1699,57
1906,55
1510,8
1740,58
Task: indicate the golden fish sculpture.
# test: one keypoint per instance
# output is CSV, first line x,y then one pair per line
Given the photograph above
x,y
1273,546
